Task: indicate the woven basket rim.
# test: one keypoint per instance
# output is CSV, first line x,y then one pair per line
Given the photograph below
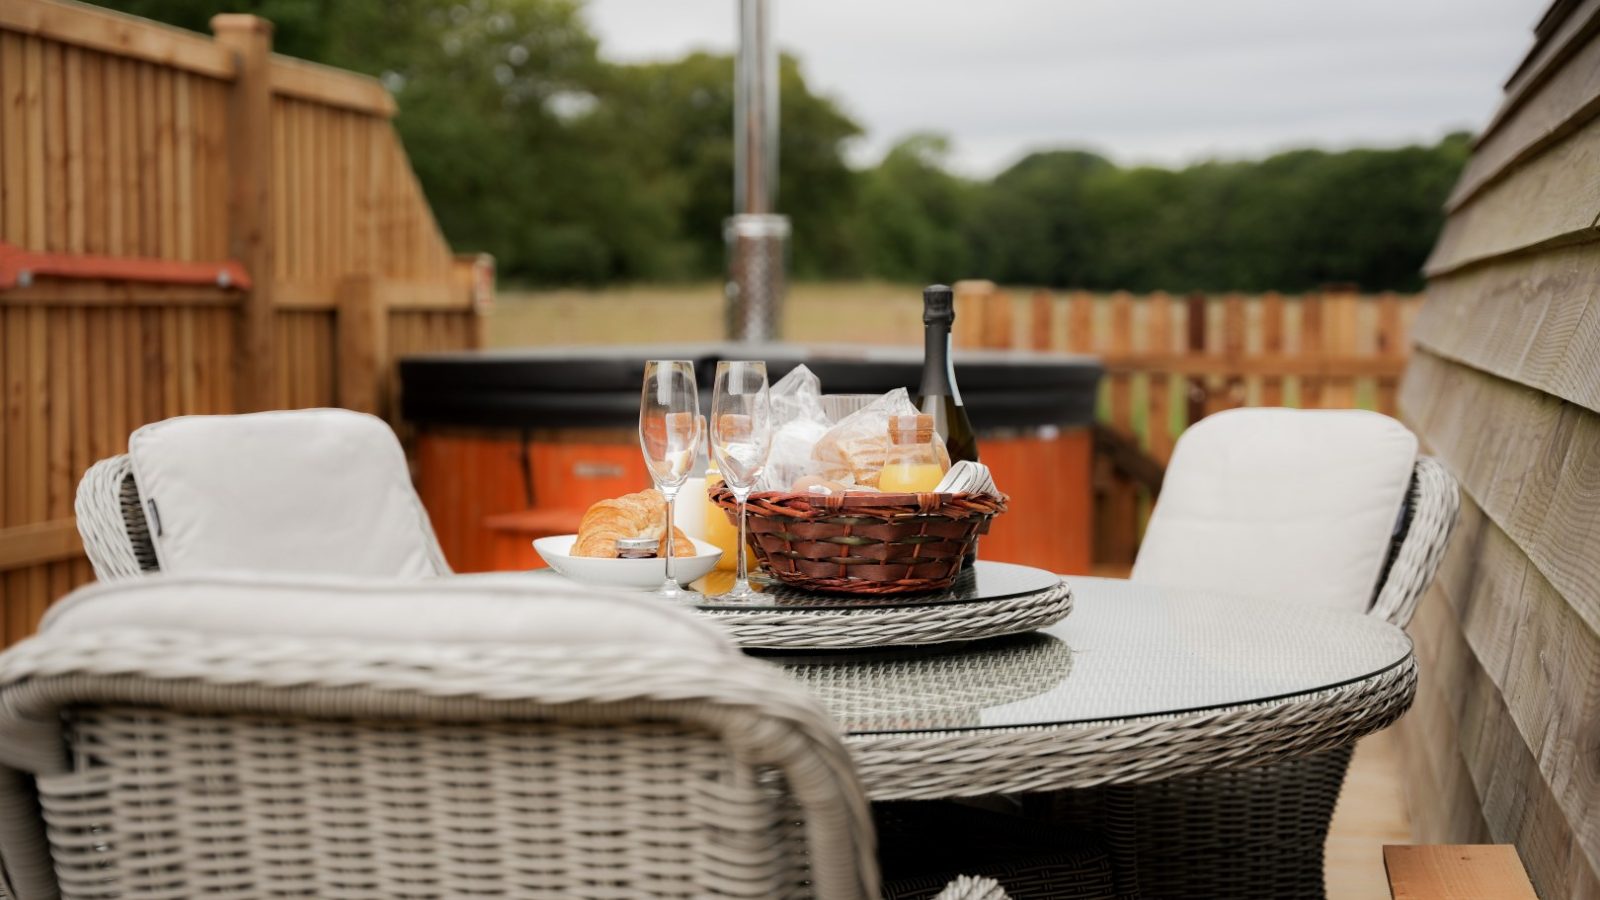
x,y
867,498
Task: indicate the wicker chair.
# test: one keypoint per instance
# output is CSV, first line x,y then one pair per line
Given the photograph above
x,y
1259,832
170,762
111,512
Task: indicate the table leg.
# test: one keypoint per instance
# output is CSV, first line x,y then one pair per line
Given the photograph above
x,y
1240,833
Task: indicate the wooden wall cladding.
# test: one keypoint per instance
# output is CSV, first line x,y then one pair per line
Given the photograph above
x,y
1504,386
120,138
1518,320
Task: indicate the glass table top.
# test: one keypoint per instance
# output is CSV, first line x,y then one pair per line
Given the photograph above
x,y
1126,650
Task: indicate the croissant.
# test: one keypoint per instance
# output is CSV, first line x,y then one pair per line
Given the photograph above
x,y
636,515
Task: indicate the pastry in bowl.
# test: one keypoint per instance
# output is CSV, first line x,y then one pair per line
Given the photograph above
x,y
637,515
590,556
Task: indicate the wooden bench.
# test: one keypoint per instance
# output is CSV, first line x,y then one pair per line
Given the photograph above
x,y
1456,872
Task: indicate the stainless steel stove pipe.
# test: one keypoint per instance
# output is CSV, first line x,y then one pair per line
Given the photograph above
x,y
757,238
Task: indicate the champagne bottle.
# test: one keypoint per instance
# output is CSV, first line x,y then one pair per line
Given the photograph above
x,y
939,397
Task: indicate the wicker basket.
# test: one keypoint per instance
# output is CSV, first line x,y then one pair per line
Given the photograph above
x,y
866,543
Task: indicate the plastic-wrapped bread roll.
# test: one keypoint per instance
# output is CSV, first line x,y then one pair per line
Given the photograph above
x,y
798,422
854,450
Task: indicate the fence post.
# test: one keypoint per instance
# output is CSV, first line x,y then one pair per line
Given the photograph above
x,y
1272,346
1042,306
1389,346
1341,307
1080,323
1122,499
474,273
1196,394
1158,344
1233,389
250,233
998,322
972,310
363,343
1311,349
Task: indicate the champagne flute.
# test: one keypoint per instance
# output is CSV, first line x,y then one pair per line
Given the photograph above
x,y
670,432
741,438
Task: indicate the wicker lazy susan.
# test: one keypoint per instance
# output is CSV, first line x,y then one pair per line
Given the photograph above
x,y
876,570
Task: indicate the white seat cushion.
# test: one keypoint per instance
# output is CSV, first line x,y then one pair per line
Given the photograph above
x,y
451,610
1281,504
313,491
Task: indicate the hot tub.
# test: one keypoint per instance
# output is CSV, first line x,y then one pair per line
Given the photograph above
x,y
512,445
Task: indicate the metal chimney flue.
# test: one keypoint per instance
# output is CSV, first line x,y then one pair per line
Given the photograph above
x,y
757,238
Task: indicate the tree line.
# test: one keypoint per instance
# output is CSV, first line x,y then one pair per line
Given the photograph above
x,y
574,170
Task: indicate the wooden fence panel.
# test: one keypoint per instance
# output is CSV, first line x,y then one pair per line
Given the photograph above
x,y
1170,362
73,392
120,146
1335,350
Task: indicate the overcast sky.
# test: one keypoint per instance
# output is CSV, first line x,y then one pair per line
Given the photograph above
x,y
1162,81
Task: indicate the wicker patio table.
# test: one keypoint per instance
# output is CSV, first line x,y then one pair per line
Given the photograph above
x,y
1243,710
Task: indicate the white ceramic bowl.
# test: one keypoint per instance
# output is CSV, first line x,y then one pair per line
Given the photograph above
x,y
629,574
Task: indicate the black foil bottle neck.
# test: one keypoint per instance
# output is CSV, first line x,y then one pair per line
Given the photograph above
x,y
938,305
938,368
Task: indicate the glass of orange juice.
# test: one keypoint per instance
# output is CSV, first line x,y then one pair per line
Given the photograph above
x,y
718,529
911,464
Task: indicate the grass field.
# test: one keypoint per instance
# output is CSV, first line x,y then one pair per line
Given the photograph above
x,y
864,312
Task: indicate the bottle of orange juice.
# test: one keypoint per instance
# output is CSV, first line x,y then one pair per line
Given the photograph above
x,y
910,464
718,530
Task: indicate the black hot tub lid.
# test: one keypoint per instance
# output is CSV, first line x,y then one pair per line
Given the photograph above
x,y
599,386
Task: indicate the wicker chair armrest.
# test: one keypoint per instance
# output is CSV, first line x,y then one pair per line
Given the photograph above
x,y
1435,501
288,675
968,888
102,520
765,719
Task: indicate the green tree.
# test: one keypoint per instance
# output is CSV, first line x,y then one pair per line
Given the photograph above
x,y
1140,230
1293,221
680,116
1030,224
913,214
508,124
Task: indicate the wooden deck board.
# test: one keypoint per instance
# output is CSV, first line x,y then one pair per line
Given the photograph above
x,y
1371,813
1457,872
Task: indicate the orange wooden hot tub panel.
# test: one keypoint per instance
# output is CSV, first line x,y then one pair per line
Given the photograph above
x,y
1051,514
476,485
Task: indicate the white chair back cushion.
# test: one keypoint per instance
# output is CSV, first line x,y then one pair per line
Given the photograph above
x,y
1281,504
462,609
313,491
